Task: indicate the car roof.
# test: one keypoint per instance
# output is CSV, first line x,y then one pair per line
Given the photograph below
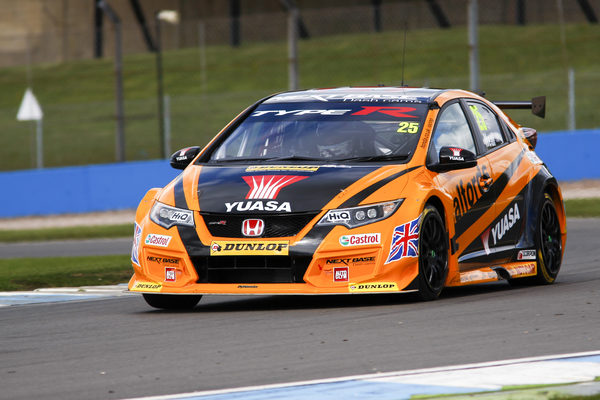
x,y
376,94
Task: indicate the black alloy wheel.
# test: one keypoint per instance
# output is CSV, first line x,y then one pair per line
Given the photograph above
x,y
433,254
549,242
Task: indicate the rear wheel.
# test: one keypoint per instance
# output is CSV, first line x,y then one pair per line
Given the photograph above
x,y
433,254
548,243
548,246
172,301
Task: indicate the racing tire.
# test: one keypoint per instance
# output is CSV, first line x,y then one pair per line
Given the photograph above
x,y
548,246
433,254
172,301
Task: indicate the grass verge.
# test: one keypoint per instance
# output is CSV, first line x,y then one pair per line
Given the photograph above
x,y
76,232
33,273
582,207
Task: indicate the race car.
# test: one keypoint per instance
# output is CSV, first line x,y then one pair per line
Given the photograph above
x,y
351,191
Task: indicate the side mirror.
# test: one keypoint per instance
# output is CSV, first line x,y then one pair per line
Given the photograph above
x,y
182,158
452,158
530,135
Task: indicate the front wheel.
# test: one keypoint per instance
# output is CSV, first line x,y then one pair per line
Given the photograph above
x,y
172,301
433,254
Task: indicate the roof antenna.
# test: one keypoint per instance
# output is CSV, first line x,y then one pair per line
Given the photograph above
x,y
404,50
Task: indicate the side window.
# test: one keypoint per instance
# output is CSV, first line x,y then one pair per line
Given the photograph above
x,y
453,130
486,121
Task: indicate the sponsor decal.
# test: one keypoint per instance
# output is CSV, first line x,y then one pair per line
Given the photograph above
x,y
526,255
268,186
338,216
362,97
374,287
467,193
427,132
360,239
253,227
170,274
351,261
533,157
399,112
247,286
504,224
258,205
299,168
137,236
221,222
147,286
340,274
163,260
456,154
157,240
405,241
235,248
522,270
478,275
181,156
280,113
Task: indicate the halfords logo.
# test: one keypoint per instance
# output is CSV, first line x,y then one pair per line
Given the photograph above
x,y
269,248
157,240
253,227
361,239
268,186
467,193
374,287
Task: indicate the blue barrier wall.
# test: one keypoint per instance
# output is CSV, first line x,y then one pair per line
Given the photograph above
x,y
569,155
81,189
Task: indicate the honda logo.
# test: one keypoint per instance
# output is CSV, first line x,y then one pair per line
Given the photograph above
x,y
253,227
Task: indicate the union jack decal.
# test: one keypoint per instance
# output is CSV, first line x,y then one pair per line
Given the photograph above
x,y
268,186
137,235
405,241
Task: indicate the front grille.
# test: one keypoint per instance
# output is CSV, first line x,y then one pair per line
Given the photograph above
x,y
230,225
250,269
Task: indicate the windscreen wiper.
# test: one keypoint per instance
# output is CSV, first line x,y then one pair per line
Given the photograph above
x,y
384,157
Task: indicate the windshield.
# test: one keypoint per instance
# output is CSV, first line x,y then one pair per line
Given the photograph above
x,y
325,132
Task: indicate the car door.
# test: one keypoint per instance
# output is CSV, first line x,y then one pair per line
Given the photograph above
x,y
510,178
469,187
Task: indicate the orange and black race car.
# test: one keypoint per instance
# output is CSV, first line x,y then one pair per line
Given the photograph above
x,y
353,190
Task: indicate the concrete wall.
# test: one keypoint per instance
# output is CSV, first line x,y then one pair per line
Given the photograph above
x,y
569,155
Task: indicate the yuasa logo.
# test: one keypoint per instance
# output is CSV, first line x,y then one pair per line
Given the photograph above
x,y
158,240
340,274
268,186
455,151
253,227
360,240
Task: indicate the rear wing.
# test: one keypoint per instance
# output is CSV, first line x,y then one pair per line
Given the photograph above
x,y
537,105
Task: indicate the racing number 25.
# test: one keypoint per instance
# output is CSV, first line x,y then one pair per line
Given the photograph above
x,y
408,127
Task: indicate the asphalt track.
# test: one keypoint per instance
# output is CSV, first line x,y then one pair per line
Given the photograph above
x,y
119,347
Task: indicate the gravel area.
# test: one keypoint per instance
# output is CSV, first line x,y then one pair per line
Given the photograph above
x,y
570,190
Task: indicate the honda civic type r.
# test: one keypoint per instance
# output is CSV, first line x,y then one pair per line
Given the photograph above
x,y
353,190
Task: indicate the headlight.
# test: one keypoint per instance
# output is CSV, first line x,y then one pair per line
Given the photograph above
x,y
358,216
167,216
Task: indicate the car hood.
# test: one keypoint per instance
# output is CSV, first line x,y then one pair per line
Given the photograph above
x,y
264,189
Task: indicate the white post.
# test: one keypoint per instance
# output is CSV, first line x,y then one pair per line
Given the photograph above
x,y
571,99
39,143
473,13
